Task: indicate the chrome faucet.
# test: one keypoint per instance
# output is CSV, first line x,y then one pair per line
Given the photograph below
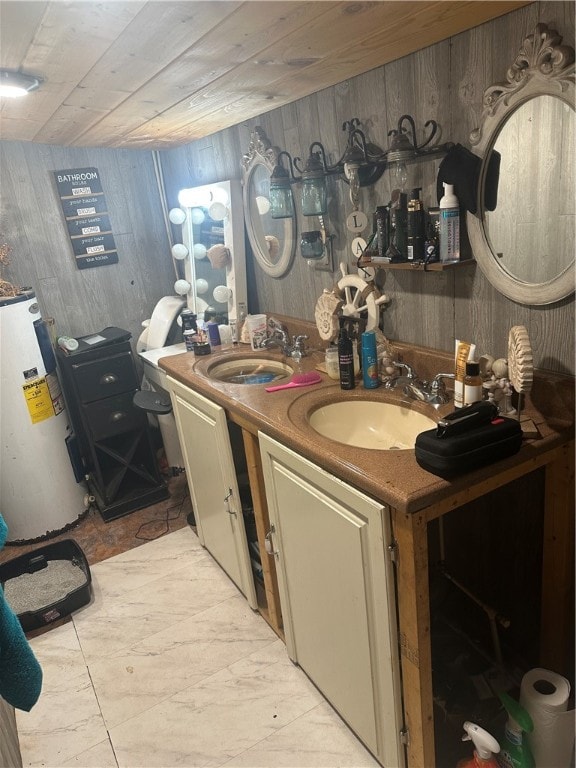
x,y
280,338
433,392
405,378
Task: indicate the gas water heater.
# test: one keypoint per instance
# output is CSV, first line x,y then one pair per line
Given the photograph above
x,y
41,491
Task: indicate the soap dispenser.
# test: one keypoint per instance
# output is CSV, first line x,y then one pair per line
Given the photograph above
x,y
485,747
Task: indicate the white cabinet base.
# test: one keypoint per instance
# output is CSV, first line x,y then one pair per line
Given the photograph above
x,y
337,594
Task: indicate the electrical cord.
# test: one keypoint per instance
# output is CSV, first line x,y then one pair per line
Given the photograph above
x,y
167,520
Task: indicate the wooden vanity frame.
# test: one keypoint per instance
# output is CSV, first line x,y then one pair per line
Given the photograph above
x,y
411,535
410,532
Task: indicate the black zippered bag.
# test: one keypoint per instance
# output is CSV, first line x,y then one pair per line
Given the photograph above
x,y
454,448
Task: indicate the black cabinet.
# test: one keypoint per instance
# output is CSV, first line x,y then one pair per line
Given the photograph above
x,y
99,381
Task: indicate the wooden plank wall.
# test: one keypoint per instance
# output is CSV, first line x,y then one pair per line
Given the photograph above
x,y
85,301
443,82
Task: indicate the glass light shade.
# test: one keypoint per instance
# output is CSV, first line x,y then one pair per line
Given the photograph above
x,y
217,211
221,294
199,251
177,216
197,216
311,245
179,251
182,287
399,173
281,202
314,198
201,286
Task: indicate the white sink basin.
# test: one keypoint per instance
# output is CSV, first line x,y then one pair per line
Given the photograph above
x,y
251,370
370,424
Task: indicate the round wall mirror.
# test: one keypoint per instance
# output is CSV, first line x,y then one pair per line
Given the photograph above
x,y
525,246
273,241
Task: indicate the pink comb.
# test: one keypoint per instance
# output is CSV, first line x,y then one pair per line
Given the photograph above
x,y
298,380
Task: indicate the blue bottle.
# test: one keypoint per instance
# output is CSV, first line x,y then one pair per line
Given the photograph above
x,y
369,361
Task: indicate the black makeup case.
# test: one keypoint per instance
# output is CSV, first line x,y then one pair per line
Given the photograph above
x,y
466,440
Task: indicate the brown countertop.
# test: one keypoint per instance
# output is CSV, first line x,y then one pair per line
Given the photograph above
x,y
392,476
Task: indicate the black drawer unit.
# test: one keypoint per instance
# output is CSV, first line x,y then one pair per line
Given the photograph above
x,y
99,380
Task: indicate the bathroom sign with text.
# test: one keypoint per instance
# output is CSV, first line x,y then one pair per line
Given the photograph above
x,y
84,207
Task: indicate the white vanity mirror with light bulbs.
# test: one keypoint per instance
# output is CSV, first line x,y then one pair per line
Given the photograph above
x,y
212,250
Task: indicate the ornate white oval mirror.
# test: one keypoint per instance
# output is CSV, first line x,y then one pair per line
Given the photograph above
x,y
273,241
525,247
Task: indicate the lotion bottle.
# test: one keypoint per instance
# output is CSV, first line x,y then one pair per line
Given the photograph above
x,y
449,226
345,358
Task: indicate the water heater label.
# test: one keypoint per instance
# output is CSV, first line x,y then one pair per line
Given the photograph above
x,y
38,400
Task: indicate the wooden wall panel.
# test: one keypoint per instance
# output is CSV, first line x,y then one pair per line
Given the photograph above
x,y
445,82
84,301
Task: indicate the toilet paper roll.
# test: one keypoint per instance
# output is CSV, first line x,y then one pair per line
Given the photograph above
x,y
544,695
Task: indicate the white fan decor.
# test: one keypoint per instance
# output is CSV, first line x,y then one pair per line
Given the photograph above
x,y
520,362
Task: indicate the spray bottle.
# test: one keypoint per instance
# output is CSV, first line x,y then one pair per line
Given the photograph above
x,y
485,747
515,750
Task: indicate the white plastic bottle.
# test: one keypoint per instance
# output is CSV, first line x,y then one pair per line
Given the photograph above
x,y
449,226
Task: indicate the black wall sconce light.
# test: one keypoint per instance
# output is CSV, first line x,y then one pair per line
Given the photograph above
x,y
361,164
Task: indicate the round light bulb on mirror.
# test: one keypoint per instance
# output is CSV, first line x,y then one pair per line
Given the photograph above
x,y
220,195
263,205
177,216
179,251
221,294
182,287
199,251
217,211
197,216
201,286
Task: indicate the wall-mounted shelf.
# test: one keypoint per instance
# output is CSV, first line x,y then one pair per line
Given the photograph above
x,y
417,266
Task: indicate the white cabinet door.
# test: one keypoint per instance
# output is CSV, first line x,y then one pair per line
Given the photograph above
x,y
337,594
205,441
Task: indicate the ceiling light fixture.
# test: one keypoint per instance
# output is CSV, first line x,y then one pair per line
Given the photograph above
x,y
16,84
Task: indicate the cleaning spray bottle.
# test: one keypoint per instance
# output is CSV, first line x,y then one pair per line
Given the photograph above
x,y
485,747
515,751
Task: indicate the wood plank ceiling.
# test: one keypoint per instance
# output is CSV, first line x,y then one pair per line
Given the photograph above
x,y
160,74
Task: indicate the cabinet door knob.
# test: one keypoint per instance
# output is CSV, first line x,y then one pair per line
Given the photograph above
x,y
108,378
117,416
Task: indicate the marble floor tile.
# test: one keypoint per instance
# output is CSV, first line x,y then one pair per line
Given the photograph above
x,y
67,711
316,739
181,655
111,624
168,666
99,756
221,716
